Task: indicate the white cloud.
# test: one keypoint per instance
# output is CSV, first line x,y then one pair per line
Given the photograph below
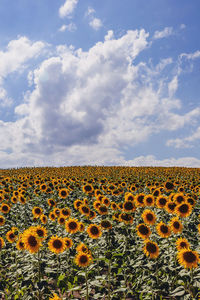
x,y
164,33
186,142
173,86
90,11
191,56
96,23
70,27
86,107
182,26
67,8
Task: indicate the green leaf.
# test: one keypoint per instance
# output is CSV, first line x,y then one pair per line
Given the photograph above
x,y
179,291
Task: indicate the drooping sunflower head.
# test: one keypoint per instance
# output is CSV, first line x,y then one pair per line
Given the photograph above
x,y
43,219
20,245
188,258
170,207
51,202
163,230
151,249
83,259
124,217
56,244
94,231
82,248
92,215
139,200
84,210
52,216
72,225
149,217
143,231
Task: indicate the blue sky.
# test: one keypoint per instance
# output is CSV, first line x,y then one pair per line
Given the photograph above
x,y
106,82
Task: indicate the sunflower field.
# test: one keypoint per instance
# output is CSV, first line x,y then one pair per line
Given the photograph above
x,y
100,233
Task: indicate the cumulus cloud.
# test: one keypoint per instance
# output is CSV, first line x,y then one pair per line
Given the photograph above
x,y
67,8
167,31
86,107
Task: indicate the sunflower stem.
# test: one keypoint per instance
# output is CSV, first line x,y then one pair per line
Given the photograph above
x,y
39,276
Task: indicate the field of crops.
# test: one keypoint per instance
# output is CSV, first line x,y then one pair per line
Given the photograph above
x,y
99,233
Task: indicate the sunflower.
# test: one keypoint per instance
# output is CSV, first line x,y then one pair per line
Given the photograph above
x,y
149,200
124,217
2,220
68,242
169,186
14,199
113,205
56,244
105,201
81,227
129,197
182,243
128,206
52,216
106,225
37,211
61,220
94,231
31,241
51,202
2,243
5,208
163,230
103,210
56,211
82,248
84,210
139,200
92,215
65,212
43,219
170,207
161,202
20,244
72,225
22,199
96,204
40,231
191,201
179,198
198,227
43,187
149,217
143,231
55,297
151,249
188,258
63,193
88,189
77,203
83,259
10,236
175,225
183,210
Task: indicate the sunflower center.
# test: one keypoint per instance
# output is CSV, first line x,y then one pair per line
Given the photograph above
x,y
140,199
176,225
57,244
37,211
169,185
183,245
128,205
162,201
63,193
105,224
143,229
83,259
88,188
164,229
151,248
149,200
189,257
5,208
103,209
179,199
72,225
85,209
149,217
94,230
32,241
11,236
183,208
